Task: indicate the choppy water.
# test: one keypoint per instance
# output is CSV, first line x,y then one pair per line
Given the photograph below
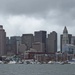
x,y
37,69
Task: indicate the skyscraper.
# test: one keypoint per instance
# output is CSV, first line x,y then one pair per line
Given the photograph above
x,y
52,42
40,36
14,42
27,39
2,41
8,46
65,38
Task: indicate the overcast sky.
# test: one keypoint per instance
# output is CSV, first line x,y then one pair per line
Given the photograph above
x,y
26,16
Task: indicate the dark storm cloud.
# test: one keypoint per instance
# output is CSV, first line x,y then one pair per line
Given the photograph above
x,y
64,10
24,6
50,15
61,12
35,6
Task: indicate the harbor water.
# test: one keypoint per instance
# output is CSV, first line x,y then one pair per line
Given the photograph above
x,y
37,69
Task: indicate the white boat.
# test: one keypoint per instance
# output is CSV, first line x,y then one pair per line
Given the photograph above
x,y
12,62
1,62
72,61
58,62
51,62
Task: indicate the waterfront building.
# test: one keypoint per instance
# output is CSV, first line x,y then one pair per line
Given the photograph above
x,y
2,41
65,38
40,36
27,39
52,42
68,48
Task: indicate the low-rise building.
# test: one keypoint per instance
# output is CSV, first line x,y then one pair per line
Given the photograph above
x,y
68,48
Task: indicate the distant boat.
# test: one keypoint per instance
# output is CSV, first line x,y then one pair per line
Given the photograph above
x,y
1,62
12,62
51,62
72,61
58,62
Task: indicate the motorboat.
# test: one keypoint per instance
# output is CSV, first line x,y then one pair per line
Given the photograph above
x,y
12,62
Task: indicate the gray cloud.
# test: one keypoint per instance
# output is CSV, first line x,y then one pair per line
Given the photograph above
x,y
40,8
35,6
50,15
55,12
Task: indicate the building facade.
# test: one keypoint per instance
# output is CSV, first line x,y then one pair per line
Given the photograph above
x,y
40,36
38,47
52,42
15,41
2,41
65,38
73,40
27,39
68,48
8,46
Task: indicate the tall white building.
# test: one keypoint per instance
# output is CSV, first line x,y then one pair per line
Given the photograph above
x,y
65,38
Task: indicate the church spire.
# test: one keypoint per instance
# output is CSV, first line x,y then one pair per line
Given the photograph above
x,y
65,30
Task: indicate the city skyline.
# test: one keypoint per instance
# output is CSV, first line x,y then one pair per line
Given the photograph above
x,y
58,36
49,15
37,41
